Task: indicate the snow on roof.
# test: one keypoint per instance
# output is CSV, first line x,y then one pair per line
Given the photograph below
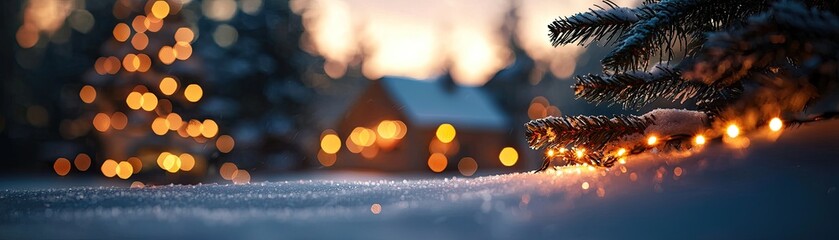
x,y
429,103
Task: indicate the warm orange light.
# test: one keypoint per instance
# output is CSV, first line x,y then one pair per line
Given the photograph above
x,y
351,146
87,94
225,143
149,101
112,65
119,120
167,55
446,133
449,149
776,124
363,137
678,171
139,24
508,156
376,208
134,100
699,140
153,24
174,120
82,162
184,35
171,163
124,170
140,41
168,85
161,158
159,126
652,140
187,161
101,122
551,153
402,129
370,152
145,62
27,36
160,9
732,131
109,168
193,128
241,176
585,185
182,50
61,166
131,62
137,185
580,152
226,170
326,159
330,143
193,92
209,128
537,110
437,162
99,66
387,129
467,166
121,32
136,164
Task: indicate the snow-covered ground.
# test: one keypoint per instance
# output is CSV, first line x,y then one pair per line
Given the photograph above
x,y
775,188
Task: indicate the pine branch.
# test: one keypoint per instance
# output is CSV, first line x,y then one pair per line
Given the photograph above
x,y
582,157
637,89
584,131
646,37
788,31
675,23
596,24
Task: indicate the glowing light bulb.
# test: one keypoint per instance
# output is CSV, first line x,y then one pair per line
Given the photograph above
x,y
699,140
551,153
652,140
775,124
580,152
732,131
446,133
621,151
508,156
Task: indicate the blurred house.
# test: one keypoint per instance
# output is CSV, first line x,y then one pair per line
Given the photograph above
x,y
397,124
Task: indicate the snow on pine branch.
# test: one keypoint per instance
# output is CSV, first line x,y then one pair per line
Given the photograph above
x,y
596,24
596,140
636,89
594,132
789,31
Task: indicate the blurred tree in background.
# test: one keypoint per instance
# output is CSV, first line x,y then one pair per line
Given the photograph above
x,y
72,88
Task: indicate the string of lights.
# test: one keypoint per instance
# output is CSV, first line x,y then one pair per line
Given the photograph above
x,y
618,151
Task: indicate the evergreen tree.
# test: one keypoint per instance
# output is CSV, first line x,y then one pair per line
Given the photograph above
x,y
736,64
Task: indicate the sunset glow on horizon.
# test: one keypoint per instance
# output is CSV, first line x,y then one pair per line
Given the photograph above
x,y
423,39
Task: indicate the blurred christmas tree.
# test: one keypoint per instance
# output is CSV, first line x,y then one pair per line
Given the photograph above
x,y
174,88
741,64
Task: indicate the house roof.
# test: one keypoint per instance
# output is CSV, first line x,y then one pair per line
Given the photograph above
x,y
430,103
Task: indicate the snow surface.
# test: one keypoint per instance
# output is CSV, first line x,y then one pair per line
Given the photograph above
x,y
780,187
